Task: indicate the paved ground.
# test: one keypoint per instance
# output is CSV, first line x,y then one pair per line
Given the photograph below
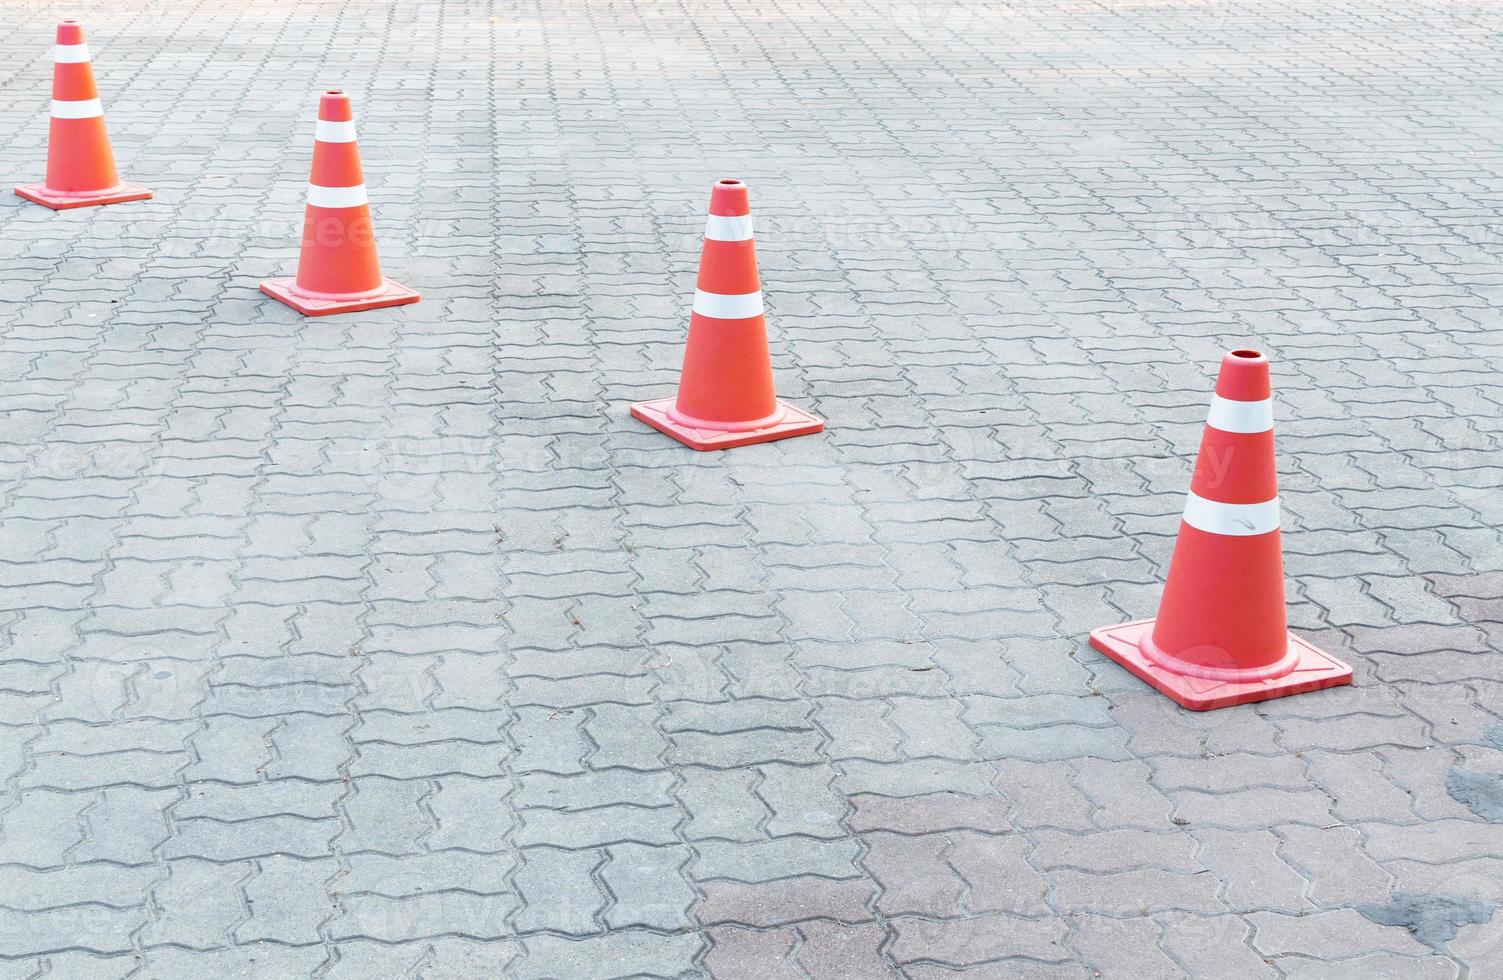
x,y
389,645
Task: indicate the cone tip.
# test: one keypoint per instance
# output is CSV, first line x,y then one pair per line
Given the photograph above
x,y
1244,376
334,106
69,31
729,197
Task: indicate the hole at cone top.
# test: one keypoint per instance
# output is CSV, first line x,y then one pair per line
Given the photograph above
x,y
729,183
334,91
68,20
1247,353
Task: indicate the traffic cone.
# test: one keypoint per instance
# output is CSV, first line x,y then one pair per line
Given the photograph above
x,y
725,395
80,166
338,271
1221,637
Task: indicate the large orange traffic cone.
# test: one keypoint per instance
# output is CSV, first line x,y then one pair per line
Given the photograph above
x,y
338,271
80,166
725,394
1221,637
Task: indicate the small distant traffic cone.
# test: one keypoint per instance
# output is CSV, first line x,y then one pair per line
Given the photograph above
x,y
1221,636
80,166
725,394
338,271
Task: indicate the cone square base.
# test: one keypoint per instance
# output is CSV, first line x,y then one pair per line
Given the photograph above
x,y
390,294
794,422
119,194
1313,671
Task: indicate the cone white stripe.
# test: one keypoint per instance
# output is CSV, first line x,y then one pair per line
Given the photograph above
x,y
729,228
1229,415
70,54
1214,517
336,197
728,306
330,131
77,109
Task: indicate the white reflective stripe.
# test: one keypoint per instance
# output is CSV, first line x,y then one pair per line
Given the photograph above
x,y
1215,517
728,306
1234,416
70,54
79,109
335,132
336,197
729,228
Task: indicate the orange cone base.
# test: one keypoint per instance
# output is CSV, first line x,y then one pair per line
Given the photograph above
x,y
323,304
794,422
1313,671
63,200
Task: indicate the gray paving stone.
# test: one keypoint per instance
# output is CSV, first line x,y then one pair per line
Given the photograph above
x,y
802,801
998,873
1249,865
771,860
649,887
287,901
1116,850
624,953
789,900
591,828
559,891
198,904
1217,943
978,940
1336,934
44,826
93,928
385,815
1129,944
395,920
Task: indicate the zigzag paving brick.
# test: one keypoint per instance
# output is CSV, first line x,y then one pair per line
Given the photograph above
x,y
388,645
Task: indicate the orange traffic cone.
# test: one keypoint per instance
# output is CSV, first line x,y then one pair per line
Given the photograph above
x,y
80,166
1221,637
725,395
338,271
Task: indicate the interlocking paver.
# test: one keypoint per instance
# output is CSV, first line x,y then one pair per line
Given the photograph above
x,y
388,645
